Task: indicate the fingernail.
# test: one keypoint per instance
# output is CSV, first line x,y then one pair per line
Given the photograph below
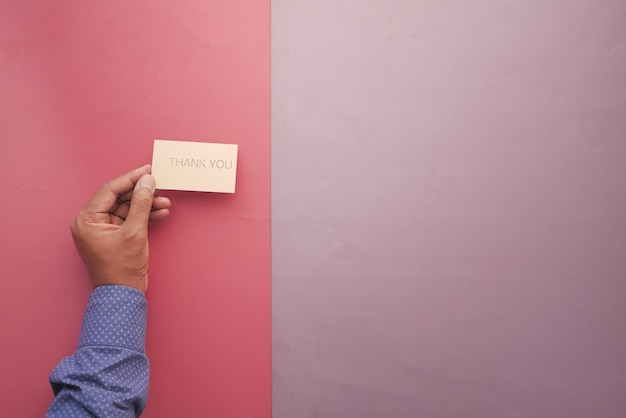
x,y
147,181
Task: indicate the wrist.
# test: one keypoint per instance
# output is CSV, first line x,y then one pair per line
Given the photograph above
x,y
117,279
139,288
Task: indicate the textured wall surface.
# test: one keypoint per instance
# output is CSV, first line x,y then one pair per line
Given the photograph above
x,y
85,87
449,200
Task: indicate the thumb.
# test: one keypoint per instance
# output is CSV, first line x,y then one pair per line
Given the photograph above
x,y
141,203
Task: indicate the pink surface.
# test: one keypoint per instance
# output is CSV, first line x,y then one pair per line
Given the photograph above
x,y
449,208
84,89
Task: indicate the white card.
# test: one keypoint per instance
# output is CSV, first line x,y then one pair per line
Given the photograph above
x,y
194,166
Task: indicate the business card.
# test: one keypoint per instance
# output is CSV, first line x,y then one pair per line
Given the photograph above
x,y
194,166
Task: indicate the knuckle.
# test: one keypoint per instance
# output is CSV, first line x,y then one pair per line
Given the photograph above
x,y
106,185
77,223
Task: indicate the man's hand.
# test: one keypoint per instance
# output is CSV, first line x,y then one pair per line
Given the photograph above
x,y
111,231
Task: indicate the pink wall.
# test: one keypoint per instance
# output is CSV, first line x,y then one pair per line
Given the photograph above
x,y
85,86
449,200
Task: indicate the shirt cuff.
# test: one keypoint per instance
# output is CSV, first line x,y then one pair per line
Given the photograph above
x,y
115,317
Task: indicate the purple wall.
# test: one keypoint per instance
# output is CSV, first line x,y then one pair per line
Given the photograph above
x,y
449,200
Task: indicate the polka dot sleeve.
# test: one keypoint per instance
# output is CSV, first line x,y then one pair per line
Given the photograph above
x,y
108,374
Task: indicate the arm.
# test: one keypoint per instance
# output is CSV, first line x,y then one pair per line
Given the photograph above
x,y
108,373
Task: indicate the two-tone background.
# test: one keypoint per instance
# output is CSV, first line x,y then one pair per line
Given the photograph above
x,y
430,209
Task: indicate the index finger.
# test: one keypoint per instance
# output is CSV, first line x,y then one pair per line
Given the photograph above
x,y
104,199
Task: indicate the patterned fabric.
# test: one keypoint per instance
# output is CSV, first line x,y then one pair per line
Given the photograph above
x,y
108,374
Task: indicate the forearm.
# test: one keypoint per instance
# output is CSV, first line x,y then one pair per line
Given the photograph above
x,y
108,373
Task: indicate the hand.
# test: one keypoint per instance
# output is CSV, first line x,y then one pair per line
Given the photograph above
x,y
111,231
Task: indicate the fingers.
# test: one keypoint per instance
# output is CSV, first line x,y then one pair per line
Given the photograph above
x,y
141,205
121,201
161,202
155,216
106,197
126,197
158,215
158,203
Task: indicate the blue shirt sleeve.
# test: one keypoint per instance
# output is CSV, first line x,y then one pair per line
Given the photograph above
x,y
108,374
